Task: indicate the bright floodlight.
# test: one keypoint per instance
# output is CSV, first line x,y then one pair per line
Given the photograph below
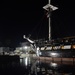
x,y
46,7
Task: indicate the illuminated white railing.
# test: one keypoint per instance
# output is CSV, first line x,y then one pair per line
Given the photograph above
x,y
58,47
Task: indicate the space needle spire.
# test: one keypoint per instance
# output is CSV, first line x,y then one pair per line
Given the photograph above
x,y
49,8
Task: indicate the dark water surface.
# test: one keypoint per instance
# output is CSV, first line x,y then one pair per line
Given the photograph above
x,y
30,66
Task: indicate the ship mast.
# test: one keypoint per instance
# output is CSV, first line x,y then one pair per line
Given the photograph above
x,y
49,24
49,8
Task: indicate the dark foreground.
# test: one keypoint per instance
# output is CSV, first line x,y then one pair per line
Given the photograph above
x,y
31,66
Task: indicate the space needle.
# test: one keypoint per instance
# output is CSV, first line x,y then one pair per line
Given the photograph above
x,y
49,8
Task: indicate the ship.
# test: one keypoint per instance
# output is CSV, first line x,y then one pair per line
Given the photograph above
x,y
60,49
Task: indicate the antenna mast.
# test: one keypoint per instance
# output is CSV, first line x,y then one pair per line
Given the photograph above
x,y
49,8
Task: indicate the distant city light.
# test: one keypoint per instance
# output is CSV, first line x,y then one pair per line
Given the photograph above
x,y
37,48
20,48
25,47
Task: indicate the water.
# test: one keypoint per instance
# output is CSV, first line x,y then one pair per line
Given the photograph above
x,y
31,66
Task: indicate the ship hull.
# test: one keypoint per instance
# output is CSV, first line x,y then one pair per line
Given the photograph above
x,y
58,53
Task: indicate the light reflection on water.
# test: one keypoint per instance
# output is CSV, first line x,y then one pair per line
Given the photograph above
x,y
31,66
40,67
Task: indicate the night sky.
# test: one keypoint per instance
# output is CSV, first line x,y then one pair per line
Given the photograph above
x,y
27,17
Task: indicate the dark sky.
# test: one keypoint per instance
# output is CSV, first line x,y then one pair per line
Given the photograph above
x,y
19,17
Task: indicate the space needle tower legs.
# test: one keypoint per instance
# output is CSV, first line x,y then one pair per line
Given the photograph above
x,y
49,8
